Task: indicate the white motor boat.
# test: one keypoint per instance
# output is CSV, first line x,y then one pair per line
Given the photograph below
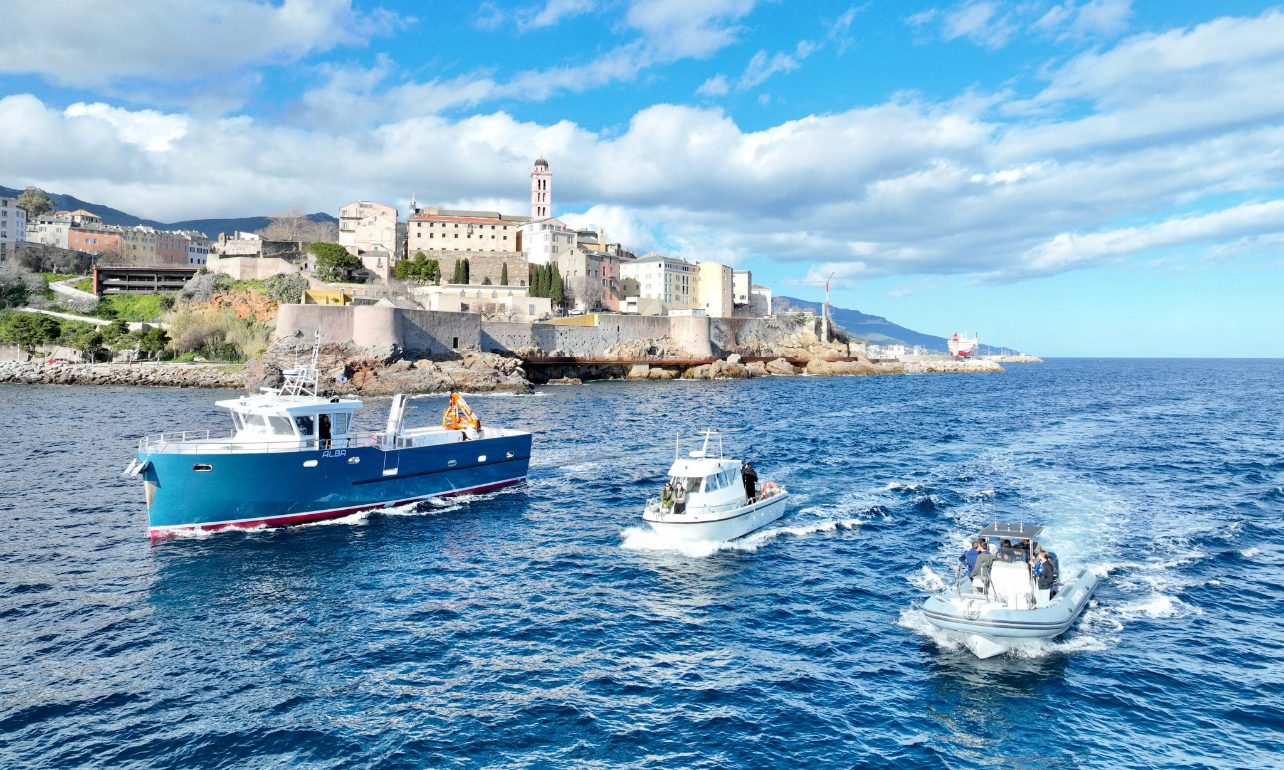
x,y
1002,602
719,505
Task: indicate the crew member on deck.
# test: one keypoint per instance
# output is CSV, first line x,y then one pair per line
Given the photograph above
x,y
666,495
750,477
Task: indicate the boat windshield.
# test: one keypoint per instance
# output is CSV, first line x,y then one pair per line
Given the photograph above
x,y
268,425
691,483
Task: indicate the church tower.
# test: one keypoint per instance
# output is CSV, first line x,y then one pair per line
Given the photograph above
x,y
541,181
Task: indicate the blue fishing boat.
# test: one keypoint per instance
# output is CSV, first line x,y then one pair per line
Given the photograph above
x,y
292,456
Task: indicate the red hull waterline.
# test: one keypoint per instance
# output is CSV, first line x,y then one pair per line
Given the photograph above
x,y
304,518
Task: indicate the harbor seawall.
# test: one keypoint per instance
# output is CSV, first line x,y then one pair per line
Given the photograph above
x,y
436,333
621,337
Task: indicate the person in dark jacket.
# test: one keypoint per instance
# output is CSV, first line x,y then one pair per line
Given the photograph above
x,y
750,477
1045,572
680,498
968,557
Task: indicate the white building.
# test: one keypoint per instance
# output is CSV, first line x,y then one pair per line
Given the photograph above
x,y
546,240
506,302
742,287
198,247
716,297
13,228
675,282
366,226
760,301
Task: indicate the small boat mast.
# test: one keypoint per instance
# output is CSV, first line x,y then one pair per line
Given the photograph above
x,y
703,452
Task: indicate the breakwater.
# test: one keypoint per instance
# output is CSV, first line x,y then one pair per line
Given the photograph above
x,y
153,374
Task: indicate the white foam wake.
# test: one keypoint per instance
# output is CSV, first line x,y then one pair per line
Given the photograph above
x,y
647,539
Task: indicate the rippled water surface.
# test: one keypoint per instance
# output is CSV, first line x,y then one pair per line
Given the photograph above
x,y
542,627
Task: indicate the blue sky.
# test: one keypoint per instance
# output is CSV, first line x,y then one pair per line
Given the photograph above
x,y
1076,177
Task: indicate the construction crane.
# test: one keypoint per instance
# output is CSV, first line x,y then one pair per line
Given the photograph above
x,y
824,321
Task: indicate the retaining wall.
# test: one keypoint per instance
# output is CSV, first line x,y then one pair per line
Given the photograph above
x,y
424,332
432,332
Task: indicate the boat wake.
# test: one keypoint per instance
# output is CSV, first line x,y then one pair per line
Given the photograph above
x,y
647,539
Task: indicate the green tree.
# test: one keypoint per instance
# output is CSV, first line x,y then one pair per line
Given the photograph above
x,y
486,281
420,269
27,330
153,340
115,333
557,294
334,263
467,271
35,201
503,275
87,339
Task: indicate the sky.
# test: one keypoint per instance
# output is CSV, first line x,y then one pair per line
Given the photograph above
x,y
1076,178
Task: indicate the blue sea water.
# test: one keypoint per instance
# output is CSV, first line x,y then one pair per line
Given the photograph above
x,y
542,627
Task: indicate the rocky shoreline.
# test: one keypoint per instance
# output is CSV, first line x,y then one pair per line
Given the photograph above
x,y
155,375
345,369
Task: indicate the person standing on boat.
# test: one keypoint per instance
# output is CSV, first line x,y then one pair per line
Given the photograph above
x,y
984,559
750,477
666,495
680,498
1045,573
968,557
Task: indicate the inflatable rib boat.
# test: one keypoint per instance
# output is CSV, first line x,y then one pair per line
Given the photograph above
x,y
1000,599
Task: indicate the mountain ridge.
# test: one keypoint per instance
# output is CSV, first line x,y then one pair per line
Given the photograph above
x,y
874,329
210,227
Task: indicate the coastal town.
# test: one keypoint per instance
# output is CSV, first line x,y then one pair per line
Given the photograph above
x,y
526,295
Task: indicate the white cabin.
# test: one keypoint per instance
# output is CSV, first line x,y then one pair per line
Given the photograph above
x,y
297,420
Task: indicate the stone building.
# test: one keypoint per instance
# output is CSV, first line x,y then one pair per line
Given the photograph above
x,y
436,229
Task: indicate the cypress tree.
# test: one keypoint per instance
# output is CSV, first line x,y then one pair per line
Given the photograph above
x,y
556,295
503,275
466,271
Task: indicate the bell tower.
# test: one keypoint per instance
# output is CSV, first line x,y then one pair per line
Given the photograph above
x,y
541,181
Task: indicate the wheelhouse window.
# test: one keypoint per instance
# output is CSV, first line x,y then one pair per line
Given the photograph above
x,y
305,423
340,421
237,422
691,483
280,426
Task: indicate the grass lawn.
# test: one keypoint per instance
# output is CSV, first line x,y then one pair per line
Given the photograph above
x,y
252,284
84,284
135,307
51,277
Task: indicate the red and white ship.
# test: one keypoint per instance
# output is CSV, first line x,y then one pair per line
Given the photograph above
x,y
963,346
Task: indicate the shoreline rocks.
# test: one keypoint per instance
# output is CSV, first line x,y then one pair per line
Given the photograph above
x,y
163,375
347,370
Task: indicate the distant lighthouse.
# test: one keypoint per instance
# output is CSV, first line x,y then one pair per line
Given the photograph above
x,y
541,182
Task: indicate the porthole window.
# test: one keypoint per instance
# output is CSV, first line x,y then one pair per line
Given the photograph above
x,y
450,464
481,458
353,460
202,467
310,464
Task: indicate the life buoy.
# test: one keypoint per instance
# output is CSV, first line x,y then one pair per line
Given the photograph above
x,y
769,489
